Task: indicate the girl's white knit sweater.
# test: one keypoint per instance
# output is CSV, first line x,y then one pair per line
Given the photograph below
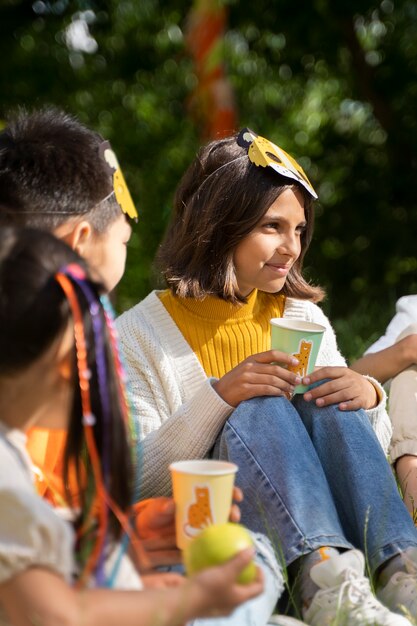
x,y
180,415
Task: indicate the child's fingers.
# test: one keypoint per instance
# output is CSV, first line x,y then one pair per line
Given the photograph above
x,y
259,364
323,391
322,373
254,386
237,494
351,405
320,391
253,378
272,373
236,564
235,513
221,587
285,382
155,516
339,391
276,356
348,389
335,398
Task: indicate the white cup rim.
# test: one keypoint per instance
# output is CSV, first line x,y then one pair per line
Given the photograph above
x,y
203,467
300,325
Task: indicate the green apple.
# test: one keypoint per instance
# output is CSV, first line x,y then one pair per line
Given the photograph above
x,y
215,545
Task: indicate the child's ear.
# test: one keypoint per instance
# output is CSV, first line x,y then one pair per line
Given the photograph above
x,y
80,238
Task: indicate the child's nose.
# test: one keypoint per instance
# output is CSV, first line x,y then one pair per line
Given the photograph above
x,y
289,245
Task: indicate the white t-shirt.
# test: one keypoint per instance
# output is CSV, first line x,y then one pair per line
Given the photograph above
x,y
31,532
406,314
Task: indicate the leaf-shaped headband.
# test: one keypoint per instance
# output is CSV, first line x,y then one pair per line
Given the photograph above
x,y
121,190
264,153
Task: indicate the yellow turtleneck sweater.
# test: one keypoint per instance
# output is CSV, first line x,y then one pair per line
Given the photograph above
x,y
221,334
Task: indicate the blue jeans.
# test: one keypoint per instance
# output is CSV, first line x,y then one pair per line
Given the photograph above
x,y
315,477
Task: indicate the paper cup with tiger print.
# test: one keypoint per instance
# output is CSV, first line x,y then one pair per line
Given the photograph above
x,y
202,491
302,340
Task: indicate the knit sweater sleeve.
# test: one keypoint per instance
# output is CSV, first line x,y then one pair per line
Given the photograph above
x,y
178,411
330,355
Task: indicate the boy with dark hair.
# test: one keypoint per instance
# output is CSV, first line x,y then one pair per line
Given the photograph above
x,y
54,176
57,175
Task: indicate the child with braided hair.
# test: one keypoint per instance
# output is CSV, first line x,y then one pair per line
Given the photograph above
x,y
59,367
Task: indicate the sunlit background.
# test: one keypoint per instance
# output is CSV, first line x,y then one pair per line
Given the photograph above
x,y
333,83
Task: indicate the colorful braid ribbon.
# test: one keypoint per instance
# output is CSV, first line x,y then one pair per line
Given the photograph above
x,y
101,502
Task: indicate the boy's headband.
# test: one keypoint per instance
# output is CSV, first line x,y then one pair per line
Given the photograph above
x,y
121,190
264,153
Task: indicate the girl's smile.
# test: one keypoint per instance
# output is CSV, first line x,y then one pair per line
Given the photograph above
x,y
265,256
282,269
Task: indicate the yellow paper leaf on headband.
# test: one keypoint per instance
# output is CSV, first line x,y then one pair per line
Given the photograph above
x,y
123,196
264,153
121,190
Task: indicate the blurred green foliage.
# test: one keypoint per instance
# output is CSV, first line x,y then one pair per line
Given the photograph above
x,y
334,83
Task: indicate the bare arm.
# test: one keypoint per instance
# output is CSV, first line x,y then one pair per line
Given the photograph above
x,y
38,597
387,363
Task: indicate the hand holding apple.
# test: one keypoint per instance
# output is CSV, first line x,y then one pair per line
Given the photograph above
x,y
217,544
215,591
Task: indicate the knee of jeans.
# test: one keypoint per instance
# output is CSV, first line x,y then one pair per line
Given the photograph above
x,y
260,402
260,409
267,404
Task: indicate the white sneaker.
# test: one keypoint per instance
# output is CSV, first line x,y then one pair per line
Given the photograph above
x,y
345,597
400,592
